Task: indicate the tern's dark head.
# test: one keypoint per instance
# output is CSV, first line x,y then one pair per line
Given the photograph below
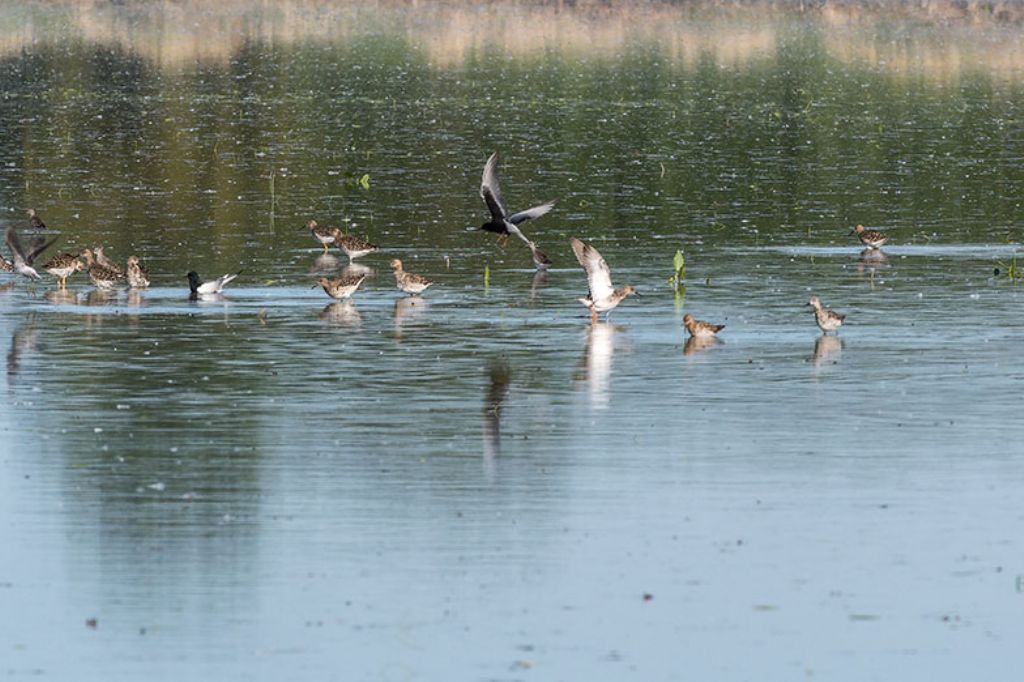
x,y
193,280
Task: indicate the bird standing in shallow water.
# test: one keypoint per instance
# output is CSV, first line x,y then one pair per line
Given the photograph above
x,y
321,233
106,262
100,275
341,288
407,281
828,320
503,224
873,239
62,267
23,261
603,297
198,288
34,220
138,276
353,246
700,328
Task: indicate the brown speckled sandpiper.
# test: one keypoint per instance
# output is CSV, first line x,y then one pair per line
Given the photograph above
x,y
828,320
62,267
700,328
407,281
873,239
342,287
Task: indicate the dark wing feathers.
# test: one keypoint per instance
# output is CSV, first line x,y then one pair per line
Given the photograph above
x,y
38,246
535,212
490,189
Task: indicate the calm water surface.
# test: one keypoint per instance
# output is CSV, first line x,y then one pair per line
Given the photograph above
x,y
478,484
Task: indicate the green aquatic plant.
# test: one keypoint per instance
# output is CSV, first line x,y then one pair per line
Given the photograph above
x,y
364,181
487,276
678,276
1013,271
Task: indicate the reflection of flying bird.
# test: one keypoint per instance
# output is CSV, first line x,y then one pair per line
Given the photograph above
x,y
22,340
23,260
828,320
503,224
700,327
596,365
198,288
497,389
540,279
603,297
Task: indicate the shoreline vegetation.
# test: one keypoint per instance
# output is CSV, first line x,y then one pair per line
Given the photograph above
x,y
939,39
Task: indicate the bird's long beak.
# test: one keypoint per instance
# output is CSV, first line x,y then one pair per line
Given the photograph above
x,y
315,285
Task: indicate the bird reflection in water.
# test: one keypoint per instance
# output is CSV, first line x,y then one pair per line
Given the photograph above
x,y
596,365
23,340
870,261
354,269
325,262
135,298
61,297
696,344
500,375
100,297
540,280
409,309
342,313
827,350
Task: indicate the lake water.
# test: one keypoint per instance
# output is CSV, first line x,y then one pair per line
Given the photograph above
x,y
478,483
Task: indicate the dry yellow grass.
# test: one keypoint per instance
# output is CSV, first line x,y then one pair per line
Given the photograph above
x,y
968,35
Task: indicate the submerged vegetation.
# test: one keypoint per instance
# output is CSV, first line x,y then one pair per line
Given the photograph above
x,y
1013,272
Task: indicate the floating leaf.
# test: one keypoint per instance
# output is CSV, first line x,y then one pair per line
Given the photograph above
x,y
364,181
487,276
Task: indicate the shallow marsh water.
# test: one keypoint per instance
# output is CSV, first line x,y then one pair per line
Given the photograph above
x,y
477,484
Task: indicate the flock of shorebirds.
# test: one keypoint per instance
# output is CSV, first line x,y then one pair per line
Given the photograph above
x,y
602,297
